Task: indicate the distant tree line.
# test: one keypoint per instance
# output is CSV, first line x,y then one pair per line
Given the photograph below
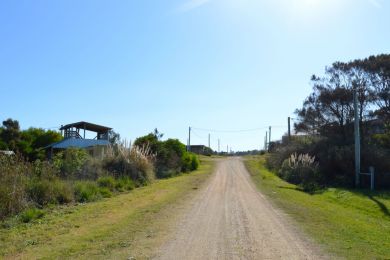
x,y
325,123
29,142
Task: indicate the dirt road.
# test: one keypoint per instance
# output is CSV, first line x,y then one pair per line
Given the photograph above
x,y
230,219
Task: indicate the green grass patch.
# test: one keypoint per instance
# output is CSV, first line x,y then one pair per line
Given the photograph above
x,y
107,182
87,191
31,214
124,183
354,224
131,224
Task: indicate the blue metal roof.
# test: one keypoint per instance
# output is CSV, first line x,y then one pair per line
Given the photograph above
x,y
78,143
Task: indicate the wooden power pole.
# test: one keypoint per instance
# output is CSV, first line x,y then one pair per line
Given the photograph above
x,y
189,139
357,139
289,128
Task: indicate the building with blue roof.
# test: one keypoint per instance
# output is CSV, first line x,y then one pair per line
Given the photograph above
x,y
75,137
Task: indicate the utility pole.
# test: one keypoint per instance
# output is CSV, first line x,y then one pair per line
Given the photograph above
x,y
289,128
219,143
189,139
227,149
266,140
209,141
357,139
269,136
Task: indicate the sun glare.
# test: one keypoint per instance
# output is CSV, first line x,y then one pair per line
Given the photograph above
x,y
308,5
311,9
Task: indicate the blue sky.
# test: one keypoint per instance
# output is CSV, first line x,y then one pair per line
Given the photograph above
x,y
217,64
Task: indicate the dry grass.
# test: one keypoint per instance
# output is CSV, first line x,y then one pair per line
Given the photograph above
x,y
128,225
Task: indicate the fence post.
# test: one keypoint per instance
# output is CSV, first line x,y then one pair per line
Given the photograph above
x,y
372,177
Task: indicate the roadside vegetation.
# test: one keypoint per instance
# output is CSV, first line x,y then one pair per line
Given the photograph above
x,y
29,185
322,153
129,225
311,175
349,223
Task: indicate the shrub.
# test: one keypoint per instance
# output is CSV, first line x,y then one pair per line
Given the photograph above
x,y
40,191
31,214
92,169
194,162
43,191
171,157
107,182
302,170
135,162
186,162
13,197
124,183
86,191
190,162
70,162
105,192
63,192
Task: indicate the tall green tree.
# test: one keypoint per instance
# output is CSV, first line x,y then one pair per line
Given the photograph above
x,y
10,134
378,71
29,143
329,108
33,141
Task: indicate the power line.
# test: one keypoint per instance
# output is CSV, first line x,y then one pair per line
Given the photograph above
x,y
197,135
237,131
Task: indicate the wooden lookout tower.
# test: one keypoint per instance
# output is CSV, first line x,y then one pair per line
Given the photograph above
x,y
75,136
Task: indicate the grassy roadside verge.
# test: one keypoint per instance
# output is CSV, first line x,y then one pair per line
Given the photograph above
x,y
348,223
127,225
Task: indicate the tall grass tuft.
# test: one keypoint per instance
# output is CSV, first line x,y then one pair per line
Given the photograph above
x,y
13,197
134,162
303,170
31,214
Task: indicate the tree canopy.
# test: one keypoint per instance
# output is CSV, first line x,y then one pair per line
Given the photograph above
x,y
29,142
330,105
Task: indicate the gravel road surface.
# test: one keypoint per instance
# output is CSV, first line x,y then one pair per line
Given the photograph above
x,y
231,219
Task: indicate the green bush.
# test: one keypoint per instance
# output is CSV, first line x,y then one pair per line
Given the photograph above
x,y
190,162
31,214
63,192
186,162
46,191
70,162
107,182
171,157
105,192
86,191
40,191
194,162
124,183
